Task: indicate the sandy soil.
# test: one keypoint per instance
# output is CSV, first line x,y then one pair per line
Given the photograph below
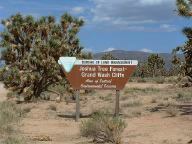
x,y
42,123
3,92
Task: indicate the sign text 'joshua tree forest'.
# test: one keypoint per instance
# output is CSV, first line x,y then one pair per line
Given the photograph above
x,y
98,74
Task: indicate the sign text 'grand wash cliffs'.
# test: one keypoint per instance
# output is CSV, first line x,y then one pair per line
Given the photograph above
x,y
97,74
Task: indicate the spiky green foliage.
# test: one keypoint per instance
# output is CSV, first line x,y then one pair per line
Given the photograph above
x,y
185,9
33,48
155,64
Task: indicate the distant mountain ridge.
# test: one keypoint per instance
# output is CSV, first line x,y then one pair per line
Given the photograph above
x,y
136,55
129,55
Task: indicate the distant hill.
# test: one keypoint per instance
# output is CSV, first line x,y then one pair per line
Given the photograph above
x,y
136,55
130,55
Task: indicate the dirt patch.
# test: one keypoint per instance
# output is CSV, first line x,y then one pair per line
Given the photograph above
x,y
3,92
41,124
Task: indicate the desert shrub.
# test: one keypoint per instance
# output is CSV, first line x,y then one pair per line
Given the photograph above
x,y
184,97
172,111
9,115
141,80
167,103
103,128
159,80
143,90
60,88
172,79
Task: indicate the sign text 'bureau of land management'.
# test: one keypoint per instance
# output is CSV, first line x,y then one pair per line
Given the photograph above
x,y
97,74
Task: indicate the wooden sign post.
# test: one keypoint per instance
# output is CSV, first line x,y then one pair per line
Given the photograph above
x,y
97,74
117,103
77,114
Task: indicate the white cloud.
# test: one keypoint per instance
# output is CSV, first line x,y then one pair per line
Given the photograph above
x,y
130,13
77,10
146,50
88,50
153,2
168,28
109,49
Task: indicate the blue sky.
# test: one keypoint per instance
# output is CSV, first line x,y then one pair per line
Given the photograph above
x,y
140,25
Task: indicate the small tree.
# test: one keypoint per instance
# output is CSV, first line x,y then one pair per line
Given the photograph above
x,y
33,48
141,70
185,10
155,64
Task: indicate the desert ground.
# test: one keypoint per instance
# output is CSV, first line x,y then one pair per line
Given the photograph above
x,y
154,114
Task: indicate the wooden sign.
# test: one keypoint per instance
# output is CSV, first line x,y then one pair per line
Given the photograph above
x,y
97,74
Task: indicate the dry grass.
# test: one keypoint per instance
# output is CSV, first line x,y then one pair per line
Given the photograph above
x,y
141,90
106,98
132,103
13,140
131,113
10,114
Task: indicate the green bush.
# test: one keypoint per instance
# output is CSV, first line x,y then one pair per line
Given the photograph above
x,y
103,128
184,97
159,80
172,79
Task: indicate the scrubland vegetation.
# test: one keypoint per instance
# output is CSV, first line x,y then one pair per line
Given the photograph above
x,y
138,102
155,107
10,116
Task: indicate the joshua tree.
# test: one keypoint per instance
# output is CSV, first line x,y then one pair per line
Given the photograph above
x,y
155,64
184,8
33,48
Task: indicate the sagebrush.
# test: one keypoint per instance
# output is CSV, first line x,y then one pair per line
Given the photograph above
x,y
103,128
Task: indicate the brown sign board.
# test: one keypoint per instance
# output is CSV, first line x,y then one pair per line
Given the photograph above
x,y
97,74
